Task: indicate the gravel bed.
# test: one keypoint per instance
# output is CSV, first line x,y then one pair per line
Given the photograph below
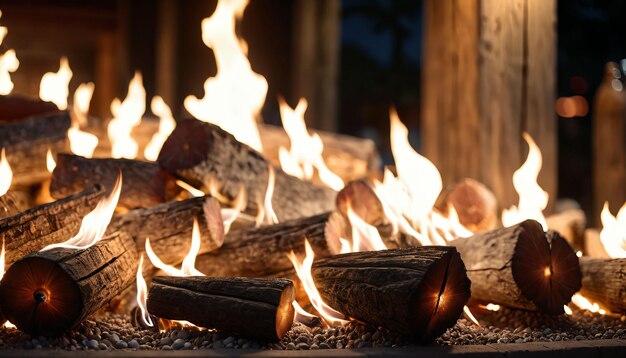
x,y
111,331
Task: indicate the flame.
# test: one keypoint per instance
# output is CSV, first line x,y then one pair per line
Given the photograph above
x,y
95,223
613,234
303,270
126,116
188,267
492,307
234,97
266,211
6,174
229,215
469,314
8,63
193,191
82,97
300,312
81,143
54,86
365,237
166,126
50,163
583,303
306,149
142,296
568,311
532,198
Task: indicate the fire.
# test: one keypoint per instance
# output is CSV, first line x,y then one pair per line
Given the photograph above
x,y
142,296
266,210
583,303
188,267
6,174
613,234
166,126
82,98
50,163
469,315
229,215
234,97
81,143
365,237
303,270
306,149
532,198
54,86
193,191
568,311
8,63
126,116
95,223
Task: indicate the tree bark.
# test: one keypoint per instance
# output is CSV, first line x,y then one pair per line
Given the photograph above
x,y
49,292
521,267
144,184
250,307
204,155
169,227
604,282
36,228
418,292
474,203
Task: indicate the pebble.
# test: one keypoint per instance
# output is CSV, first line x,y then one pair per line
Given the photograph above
x,y
133,344
92,344
178,344
120,344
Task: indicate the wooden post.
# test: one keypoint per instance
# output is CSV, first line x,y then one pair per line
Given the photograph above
x,y
488,76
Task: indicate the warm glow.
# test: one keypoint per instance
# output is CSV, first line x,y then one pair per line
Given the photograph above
x,y
547,272
142,296
54,85
82,98
469,315
303,270
8,64
95,223
365,237
583,303
532,198
8,325
301,314
50,163
126,116
81,143
6,174
568,311
193,191
613,234
229,215
188,267
266,211
166,126
492,307
305,152
234,97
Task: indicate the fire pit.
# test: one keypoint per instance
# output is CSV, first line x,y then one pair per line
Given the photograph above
x,y
218,232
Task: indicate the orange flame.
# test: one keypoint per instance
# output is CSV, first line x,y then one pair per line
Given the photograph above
x,y
234,97
365,237
82,97
583,303
188,267
81,143
126,116
266,211
54,86
469,315
8,64
95,223
166,126
6,174
50,163
142,296
229,215
613,234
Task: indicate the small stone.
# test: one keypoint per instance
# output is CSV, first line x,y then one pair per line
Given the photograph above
x,y
187,345
363,344
302,346
133,344
165,341
291,346
178,344
166,348
323,345
229,340
120,344
183,334
92,344
102,346
218,344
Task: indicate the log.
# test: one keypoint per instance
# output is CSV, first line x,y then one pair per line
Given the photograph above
x,y
47,293
145,184
8,205
15,107
474,203
47,224
169,226
249,307
418,292
604,282
593,245
521,267
201,153
571,225
262,251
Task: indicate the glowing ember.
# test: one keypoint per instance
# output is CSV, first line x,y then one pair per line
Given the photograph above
x,y
126,116
306,149
568,310
8,64
188,267
492,307
613,234
365,237
142,296
8,325
303,270
95,223
54,86
583,303
6,174
166,126
82,97
50,163
234,97
266,211
532,198
469,315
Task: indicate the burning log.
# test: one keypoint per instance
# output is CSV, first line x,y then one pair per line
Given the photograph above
x,y
49,292
571,225
475,205
521,267
604,281
202,154
145,184
419,292
169,226
250,307
36,228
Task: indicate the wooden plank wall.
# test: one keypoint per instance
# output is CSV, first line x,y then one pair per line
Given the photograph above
x,y
489,75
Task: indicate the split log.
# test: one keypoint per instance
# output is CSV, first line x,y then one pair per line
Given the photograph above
x,y
249,307
169,226
418,292
262,251
50,292
145,184
571,225
474,203
521,267
604,282
47,224
203,155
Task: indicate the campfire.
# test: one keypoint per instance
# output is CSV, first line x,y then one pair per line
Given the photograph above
x,y
217,230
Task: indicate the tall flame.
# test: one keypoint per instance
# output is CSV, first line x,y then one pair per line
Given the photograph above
x,y
613,234
234,97
54,86
8,63
82,98
95,223
365,237
142,296
126,116
166,126
6,174
188,267
306,149
532,198
267,209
